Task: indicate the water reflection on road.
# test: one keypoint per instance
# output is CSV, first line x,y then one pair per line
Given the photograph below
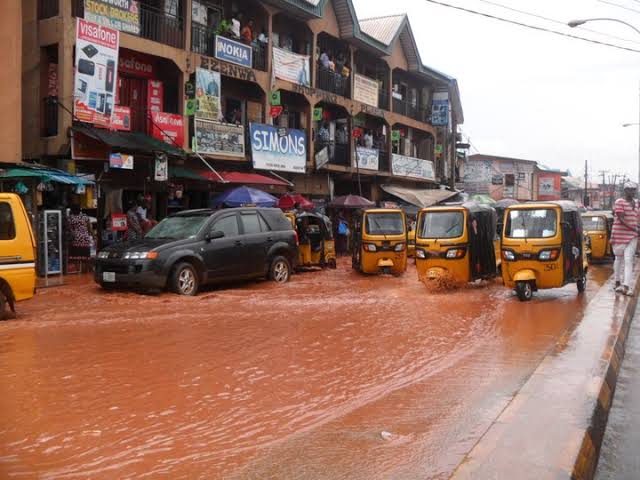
x,y
266,381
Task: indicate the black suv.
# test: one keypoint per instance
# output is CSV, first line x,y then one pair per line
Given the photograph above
x,y
196,247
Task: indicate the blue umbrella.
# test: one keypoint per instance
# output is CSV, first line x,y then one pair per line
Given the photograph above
x,y
242,196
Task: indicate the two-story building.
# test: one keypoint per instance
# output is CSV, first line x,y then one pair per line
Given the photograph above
x,y
307,97
499,177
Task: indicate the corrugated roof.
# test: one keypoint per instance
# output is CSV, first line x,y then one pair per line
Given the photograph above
x,y
383,29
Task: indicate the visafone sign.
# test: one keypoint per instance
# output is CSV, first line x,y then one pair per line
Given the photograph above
x,y
281,149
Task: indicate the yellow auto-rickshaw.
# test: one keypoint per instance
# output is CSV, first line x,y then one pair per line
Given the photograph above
x,y
315,235
597,229
543,247
456,240
380,241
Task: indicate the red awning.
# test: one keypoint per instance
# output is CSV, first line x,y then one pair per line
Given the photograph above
x,y
244,178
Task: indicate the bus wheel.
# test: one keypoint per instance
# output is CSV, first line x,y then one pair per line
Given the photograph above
x,y
524,290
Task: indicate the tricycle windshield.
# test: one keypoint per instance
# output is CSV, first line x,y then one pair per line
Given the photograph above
x,y
442,225
179,227
593,224
384,224
532,223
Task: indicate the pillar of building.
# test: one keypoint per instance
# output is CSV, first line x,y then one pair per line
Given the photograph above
x,y
11,80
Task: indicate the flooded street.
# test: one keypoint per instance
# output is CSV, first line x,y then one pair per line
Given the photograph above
x,y
334,375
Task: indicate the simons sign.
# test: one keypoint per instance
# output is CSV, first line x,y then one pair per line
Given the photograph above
x,y
281,149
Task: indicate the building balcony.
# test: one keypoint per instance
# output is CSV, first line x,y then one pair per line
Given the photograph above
x,y
154,24
411,110
203,41
333,82
338,152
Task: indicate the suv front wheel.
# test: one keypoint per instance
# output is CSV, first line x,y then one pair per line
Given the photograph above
x,y
280,269
184,279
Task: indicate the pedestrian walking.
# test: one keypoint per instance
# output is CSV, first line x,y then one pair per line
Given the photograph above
x,y
134,225
624,238
80,235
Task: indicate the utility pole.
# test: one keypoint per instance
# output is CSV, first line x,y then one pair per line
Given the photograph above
x,y
585,198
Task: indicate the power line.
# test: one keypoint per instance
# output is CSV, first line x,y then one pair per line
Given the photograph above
x,y
559,22
619,6
532,27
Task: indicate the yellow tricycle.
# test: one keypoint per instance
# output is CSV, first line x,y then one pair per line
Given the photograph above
x,y
380,241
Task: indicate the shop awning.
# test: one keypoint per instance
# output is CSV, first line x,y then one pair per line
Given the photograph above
x,y
44,174
132,141
240,178
419,197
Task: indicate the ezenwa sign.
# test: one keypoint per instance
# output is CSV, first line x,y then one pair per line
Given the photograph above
x,y
123,15
283,149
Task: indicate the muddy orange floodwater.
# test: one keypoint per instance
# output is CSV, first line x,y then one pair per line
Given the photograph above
x,y
332,376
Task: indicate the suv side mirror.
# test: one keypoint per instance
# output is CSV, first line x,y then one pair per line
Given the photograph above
x,y
214,234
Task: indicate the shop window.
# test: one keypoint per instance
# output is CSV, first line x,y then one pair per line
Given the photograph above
x,y
509,180
228,225
7,226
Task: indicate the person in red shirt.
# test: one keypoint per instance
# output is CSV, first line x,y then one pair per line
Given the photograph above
x,y
247,33
624,238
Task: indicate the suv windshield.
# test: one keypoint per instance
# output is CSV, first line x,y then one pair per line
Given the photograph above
x,y
384,224
593,224
539,223
442,225
179,227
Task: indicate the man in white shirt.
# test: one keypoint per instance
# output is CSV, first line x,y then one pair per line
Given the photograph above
x,y
368,139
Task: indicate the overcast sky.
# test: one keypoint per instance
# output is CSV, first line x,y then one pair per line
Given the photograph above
x,y
535,95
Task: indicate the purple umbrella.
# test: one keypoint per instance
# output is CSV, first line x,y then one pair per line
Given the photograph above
x,y
351,201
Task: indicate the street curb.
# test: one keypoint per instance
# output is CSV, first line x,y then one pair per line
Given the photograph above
x,y
554,425
587,458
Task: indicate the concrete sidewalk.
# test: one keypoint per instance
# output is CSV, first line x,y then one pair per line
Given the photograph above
x,y
620,455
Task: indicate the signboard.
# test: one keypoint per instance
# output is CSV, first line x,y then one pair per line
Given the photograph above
x,y
395,135
121,118
275,111
121,161
161,173
317,114
233,52
282,149
190,107
549,186
219,138
412,167
439,149
123,15
207,94
168,127
357,132
367,158
155,96
440,109
365,90
137,64
274,97
322,158
291,66
96,74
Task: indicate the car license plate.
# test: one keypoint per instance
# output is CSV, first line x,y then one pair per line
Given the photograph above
x,y
108,276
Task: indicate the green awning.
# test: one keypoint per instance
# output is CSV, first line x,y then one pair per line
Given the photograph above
x,y
45,174
131,141
185,173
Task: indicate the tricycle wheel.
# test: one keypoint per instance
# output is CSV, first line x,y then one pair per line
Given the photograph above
x,y
582,283
332,264
7,310
524,290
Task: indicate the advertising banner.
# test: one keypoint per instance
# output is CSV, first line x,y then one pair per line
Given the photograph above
x,y
168,127
291,66
440,109
137,64
233,52
412,167
155,96
121,118
207,94
161,171
96,72
549,187
365,90
121,161
367,158
123,15
219,138
322,158
282,149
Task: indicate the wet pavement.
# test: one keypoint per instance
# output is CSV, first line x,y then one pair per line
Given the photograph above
x,y
619,457
334,375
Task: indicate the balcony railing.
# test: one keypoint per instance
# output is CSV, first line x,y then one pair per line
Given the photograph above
x,y
410,110
203,41
333,82
47,9
383,99
338,152
154,24
50,116
383,161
